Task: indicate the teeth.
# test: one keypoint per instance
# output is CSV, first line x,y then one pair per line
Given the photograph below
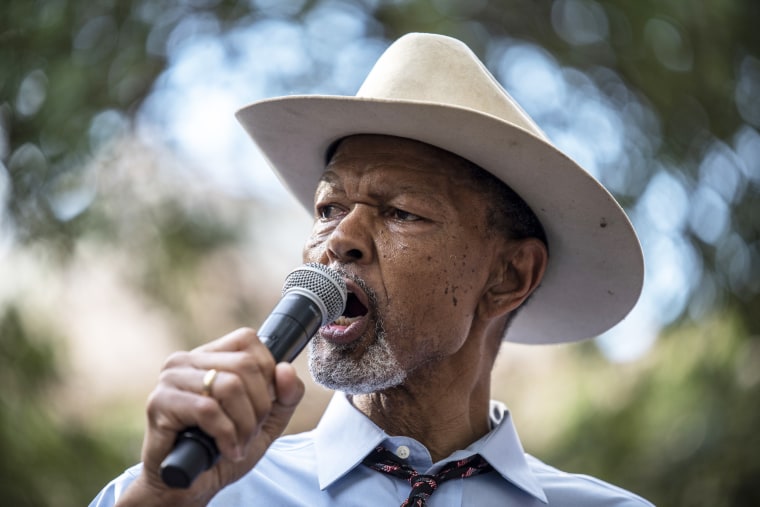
x,y
345,321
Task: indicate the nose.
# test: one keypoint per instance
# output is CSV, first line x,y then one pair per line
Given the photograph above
x,y
351,241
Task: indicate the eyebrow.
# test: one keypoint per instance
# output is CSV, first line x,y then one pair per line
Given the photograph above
x,y
398,188
328,177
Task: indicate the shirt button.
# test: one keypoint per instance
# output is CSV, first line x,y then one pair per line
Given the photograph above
x,y
402,452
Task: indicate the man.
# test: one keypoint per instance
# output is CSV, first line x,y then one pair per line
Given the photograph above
x,y
456,224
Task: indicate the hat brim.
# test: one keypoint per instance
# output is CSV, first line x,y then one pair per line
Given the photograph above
x,y
595,271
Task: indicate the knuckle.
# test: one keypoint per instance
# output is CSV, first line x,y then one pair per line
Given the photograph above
x,y
156,408
257,363
153,406
206,408
166,376
245,335
163,422
249,364
175,359
229,386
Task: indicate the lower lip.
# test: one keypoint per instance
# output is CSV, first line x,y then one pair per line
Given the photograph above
x,y
344,334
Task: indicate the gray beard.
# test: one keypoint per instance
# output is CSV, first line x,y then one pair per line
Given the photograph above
x,y
375,370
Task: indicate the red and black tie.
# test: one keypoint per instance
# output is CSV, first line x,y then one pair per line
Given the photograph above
x,y
423,486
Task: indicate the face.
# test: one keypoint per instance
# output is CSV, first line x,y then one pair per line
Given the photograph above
x,y
402,221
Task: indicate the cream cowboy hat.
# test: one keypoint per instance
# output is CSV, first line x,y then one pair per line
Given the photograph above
x,y
433,89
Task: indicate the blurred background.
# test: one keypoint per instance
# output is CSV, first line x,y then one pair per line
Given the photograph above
x,y
136,218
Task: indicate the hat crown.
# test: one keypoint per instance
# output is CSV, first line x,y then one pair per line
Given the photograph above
x,y
433,89
439,69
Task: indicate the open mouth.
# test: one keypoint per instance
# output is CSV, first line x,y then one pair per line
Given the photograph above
x,y
354,311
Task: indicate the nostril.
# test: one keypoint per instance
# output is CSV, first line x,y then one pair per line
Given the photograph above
x,y
354,254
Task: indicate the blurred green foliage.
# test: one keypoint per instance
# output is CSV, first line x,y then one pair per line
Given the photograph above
x,y
74,75
64,63
44,460
682,430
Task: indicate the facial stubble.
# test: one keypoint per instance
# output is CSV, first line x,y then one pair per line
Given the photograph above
x,y
343,368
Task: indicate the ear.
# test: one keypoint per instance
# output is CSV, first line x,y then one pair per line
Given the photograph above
x,y
516,273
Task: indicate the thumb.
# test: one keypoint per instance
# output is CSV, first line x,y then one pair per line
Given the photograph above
x,y
289,390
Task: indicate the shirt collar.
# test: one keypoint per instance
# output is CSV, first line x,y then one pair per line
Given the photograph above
x,y
501,447
344,437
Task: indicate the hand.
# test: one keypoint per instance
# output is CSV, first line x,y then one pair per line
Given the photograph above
x,y
250,403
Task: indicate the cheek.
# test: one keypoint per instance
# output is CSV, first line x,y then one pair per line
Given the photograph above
x,y
443,273
315,247
460,272
438,294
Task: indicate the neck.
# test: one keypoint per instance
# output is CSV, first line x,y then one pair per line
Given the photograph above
x,y
444,406
442,428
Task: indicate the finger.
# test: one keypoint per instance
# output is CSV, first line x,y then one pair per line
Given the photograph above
x,y
238,340
256,374
172,410
231,393
289,390
289,387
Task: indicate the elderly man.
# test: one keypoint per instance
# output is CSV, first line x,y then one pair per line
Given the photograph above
x,y
456,224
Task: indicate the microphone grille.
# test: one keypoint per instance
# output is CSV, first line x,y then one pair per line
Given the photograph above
x,y
322,281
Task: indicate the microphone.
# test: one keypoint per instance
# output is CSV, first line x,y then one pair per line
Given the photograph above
x,y
313,295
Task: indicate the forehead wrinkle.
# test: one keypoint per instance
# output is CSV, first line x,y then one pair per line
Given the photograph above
x,y
388,167
381,187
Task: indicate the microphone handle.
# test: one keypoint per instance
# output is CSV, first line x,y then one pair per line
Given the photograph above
x,y
290,326
285,332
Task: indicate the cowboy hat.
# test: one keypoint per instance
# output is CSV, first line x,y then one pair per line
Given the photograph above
x,y
433,89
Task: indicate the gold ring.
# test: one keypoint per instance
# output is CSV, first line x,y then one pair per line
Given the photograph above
x,y
208,382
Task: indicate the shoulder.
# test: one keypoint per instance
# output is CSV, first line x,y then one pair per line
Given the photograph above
x,y
289,459
297,444
566,489
285,476
288,454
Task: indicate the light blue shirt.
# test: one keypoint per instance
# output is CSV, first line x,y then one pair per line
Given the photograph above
x,y
322,468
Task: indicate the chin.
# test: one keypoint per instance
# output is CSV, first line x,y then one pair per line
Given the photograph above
x,y
333,367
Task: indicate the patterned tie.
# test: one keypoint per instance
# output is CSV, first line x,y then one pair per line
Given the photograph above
x,y
423,486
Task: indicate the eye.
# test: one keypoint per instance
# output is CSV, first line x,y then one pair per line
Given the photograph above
x,y
403,216
328,211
